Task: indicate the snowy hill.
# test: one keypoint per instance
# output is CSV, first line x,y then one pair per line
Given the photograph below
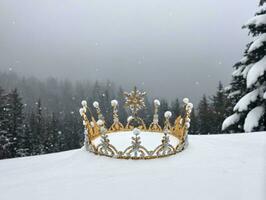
x,y
220,167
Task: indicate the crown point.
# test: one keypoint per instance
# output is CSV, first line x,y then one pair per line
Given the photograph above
x,y
84,103
114,103
157,102
186,100
168,114
96,104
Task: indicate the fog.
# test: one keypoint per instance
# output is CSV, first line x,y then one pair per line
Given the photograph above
x,y
168,47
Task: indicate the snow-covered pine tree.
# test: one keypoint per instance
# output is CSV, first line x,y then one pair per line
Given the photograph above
x,y
50,143
4,142
71,132
249,80
24,142
14,115
37,127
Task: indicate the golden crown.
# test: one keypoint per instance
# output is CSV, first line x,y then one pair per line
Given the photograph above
x,y
155,141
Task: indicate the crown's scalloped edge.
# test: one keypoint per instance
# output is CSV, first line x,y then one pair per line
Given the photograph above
x,y
156,153
95,129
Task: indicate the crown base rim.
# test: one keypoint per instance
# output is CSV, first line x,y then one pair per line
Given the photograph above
x,y
138,152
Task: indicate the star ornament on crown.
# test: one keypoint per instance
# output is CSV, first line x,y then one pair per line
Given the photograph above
x,y
135,100
135,139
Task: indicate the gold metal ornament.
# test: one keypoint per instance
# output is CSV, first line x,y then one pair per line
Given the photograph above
x,y
135,101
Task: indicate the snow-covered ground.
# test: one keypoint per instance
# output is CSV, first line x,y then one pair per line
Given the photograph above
x,y
215,167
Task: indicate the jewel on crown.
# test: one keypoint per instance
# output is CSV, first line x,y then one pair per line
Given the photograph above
x,y
173,136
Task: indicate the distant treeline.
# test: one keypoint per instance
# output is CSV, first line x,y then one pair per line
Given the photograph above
x,y
38,117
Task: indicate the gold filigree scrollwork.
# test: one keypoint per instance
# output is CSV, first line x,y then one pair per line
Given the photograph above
x,y
154,126
165,148
93,130
135,122
182,124
105,148
117,125
135,102
136,150
167,125
179,128
98,110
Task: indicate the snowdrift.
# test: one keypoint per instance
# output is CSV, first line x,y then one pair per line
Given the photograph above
x,y
220,167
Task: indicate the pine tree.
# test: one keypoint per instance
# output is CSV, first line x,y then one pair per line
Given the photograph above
x,y
71,132
262,2
121,108
4,142
33,137
175,109
50,143
24,141
194,124
162,109
205,116
219,104
248,87
148,112
15,119
37,127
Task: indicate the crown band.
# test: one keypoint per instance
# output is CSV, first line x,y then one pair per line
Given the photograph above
x,y
147,142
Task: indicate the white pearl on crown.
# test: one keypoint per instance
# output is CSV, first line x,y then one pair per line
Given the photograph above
x,y
167,114
114,103
157,102
96,104
186,100
84,103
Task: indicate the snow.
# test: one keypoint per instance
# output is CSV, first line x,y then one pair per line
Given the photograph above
x,y
256,21
219,167
227,88
253,117
246,100
262,7
121,140
238,71
256,71
244,60
246,70
257,43
232,94
234,118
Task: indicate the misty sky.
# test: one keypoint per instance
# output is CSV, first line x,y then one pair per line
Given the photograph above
x,y
169,47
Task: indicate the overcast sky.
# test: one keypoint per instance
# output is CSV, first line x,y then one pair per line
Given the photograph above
x,y
169,47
